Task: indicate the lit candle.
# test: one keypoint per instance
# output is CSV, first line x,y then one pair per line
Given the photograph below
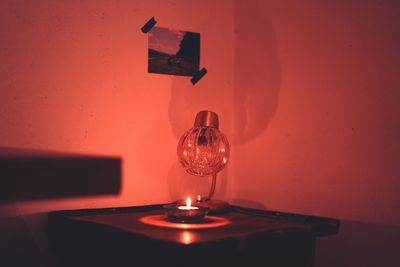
x,y
186,213
188,205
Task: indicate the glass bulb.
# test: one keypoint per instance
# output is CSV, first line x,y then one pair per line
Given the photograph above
x,y
203,151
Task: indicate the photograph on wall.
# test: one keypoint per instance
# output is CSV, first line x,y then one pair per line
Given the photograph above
x,y
173,52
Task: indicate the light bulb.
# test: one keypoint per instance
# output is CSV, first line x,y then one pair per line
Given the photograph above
x,y
204,150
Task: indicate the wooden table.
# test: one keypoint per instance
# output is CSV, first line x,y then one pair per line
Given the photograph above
x,y
140,236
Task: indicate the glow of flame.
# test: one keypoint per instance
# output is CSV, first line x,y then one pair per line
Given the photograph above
x,y
159,220
188,202
186,237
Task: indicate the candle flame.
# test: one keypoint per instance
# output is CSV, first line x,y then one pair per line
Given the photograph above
x,y
188,202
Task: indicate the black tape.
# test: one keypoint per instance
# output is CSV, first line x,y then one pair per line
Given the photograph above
x,y
198,76
150,24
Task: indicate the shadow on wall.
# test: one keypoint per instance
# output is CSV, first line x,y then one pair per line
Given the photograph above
x,y
257,79
257,73
37,174
360,244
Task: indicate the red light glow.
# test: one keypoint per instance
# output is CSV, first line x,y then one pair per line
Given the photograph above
x,y
186,237
159,220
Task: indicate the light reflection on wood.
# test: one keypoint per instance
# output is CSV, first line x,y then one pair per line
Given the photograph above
x,y
160,220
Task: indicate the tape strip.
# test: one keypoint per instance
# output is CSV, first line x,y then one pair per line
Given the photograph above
x,y
198,76
150,24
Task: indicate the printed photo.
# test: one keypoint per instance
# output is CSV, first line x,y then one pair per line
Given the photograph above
x,y
173,52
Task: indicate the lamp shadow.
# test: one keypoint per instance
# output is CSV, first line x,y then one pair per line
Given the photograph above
x,y
257,72
256,79
245,104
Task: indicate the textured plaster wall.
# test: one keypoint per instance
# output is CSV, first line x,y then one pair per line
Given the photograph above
x,y
317,119
320,123
73,78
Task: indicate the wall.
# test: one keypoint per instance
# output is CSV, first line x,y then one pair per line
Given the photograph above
x,y
73,78
316,99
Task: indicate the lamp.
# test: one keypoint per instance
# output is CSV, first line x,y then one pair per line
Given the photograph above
x,y
204,151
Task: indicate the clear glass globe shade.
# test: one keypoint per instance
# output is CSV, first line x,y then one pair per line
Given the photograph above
x,y
203,151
